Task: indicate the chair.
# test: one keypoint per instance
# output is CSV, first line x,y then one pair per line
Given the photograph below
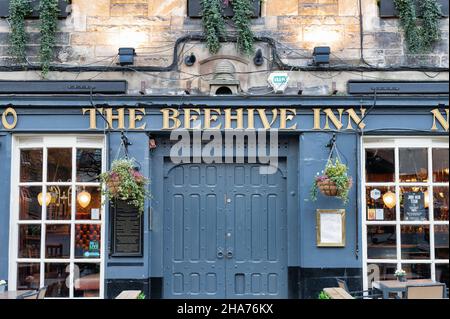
x,y
41,292
435,291
358,294
29,295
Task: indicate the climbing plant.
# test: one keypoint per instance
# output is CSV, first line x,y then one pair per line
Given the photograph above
x,y
243,12
48,15
18,10
419,37
213,23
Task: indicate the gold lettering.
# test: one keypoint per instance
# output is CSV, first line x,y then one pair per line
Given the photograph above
x,y
188,118
264,120
239,118
120,118
284,118
6,124
442,121
353,116
251,119
136,118
167,118
92,117
330,116
317,119
212,118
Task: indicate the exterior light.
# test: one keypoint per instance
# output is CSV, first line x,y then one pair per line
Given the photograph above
x,y
48,199
84,199
126,56
258,59
190,59
321,55
389,199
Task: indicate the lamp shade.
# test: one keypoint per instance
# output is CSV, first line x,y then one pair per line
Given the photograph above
x,y
389,199
48,199
84,199
426,196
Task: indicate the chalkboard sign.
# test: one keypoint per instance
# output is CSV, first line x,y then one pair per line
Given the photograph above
x,y
126,239
414,206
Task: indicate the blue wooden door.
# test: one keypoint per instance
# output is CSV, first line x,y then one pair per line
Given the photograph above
x,y
224,232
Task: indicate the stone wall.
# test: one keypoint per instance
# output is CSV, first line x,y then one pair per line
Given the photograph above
x,y
96,29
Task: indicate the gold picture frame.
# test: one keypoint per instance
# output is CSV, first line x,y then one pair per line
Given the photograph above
x,y
330,228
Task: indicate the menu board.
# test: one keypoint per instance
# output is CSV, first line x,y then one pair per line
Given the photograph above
x,y
331,228
414,206
126,230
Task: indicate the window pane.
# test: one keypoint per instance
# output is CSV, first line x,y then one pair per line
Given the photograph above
x,y
414,203
28,276
440,165
415,242
89,165
88,283
89,203
87,241
29,207
377,272
381,242
29,241
440,202
380,165
57,241
417,271
56,276
376,209
413,165
441,241
31,165
60,204
442,273
59,165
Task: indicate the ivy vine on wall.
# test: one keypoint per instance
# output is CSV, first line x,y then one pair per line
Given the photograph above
x,y
420,37
213,23
48,16
18,10
242,20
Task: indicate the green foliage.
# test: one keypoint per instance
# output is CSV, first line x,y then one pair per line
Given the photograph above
x,y
141,295
420,38
124,183
18,10
243,12
323,295
337,173
213,23
48,15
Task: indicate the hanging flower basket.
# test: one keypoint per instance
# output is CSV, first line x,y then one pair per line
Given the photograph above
x,y
335,181
123,182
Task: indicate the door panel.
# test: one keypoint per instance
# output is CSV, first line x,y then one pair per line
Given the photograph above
x,y
225,232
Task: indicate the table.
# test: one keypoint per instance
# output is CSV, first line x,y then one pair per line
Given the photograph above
x,y
13,294
388,286
337,293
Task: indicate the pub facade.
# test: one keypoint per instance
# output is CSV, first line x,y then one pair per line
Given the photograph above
x,y
243,224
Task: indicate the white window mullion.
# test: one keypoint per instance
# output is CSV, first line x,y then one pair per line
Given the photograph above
x,y
44,213
431,211
72,226
397,207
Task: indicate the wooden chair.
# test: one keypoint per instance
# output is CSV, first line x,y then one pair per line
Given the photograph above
x,y
41,292
129,294
337,293
357,294
30,295
435,291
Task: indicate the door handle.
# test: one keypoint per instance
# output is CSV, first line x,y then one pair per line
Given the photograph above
x,y
220,254
229,254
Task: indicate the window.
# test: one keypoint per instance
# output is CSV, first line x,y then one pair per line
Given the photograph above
x,y
57,217
405,208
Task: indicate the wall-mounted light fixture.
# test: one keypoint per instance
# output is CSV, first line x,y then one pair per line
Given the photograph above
x,y
390,199
126,56
321,55
258,59
190,60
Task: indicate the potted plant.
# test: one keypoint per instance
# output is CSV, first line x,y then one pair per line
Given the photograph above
x,y
125,183
2,286
334,181
323,295
400,274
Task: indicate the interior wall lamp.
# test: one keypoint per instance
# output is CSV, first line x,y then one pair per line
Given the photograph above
x,y
321,55
390,199
126,56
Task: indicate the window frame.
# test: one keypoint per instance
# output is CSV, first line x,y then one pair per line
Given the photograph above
x,y
396,143
74,142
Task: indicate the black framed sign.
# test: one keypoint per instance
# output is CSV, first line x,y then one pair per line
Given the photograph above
x,y
126,230
414,206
